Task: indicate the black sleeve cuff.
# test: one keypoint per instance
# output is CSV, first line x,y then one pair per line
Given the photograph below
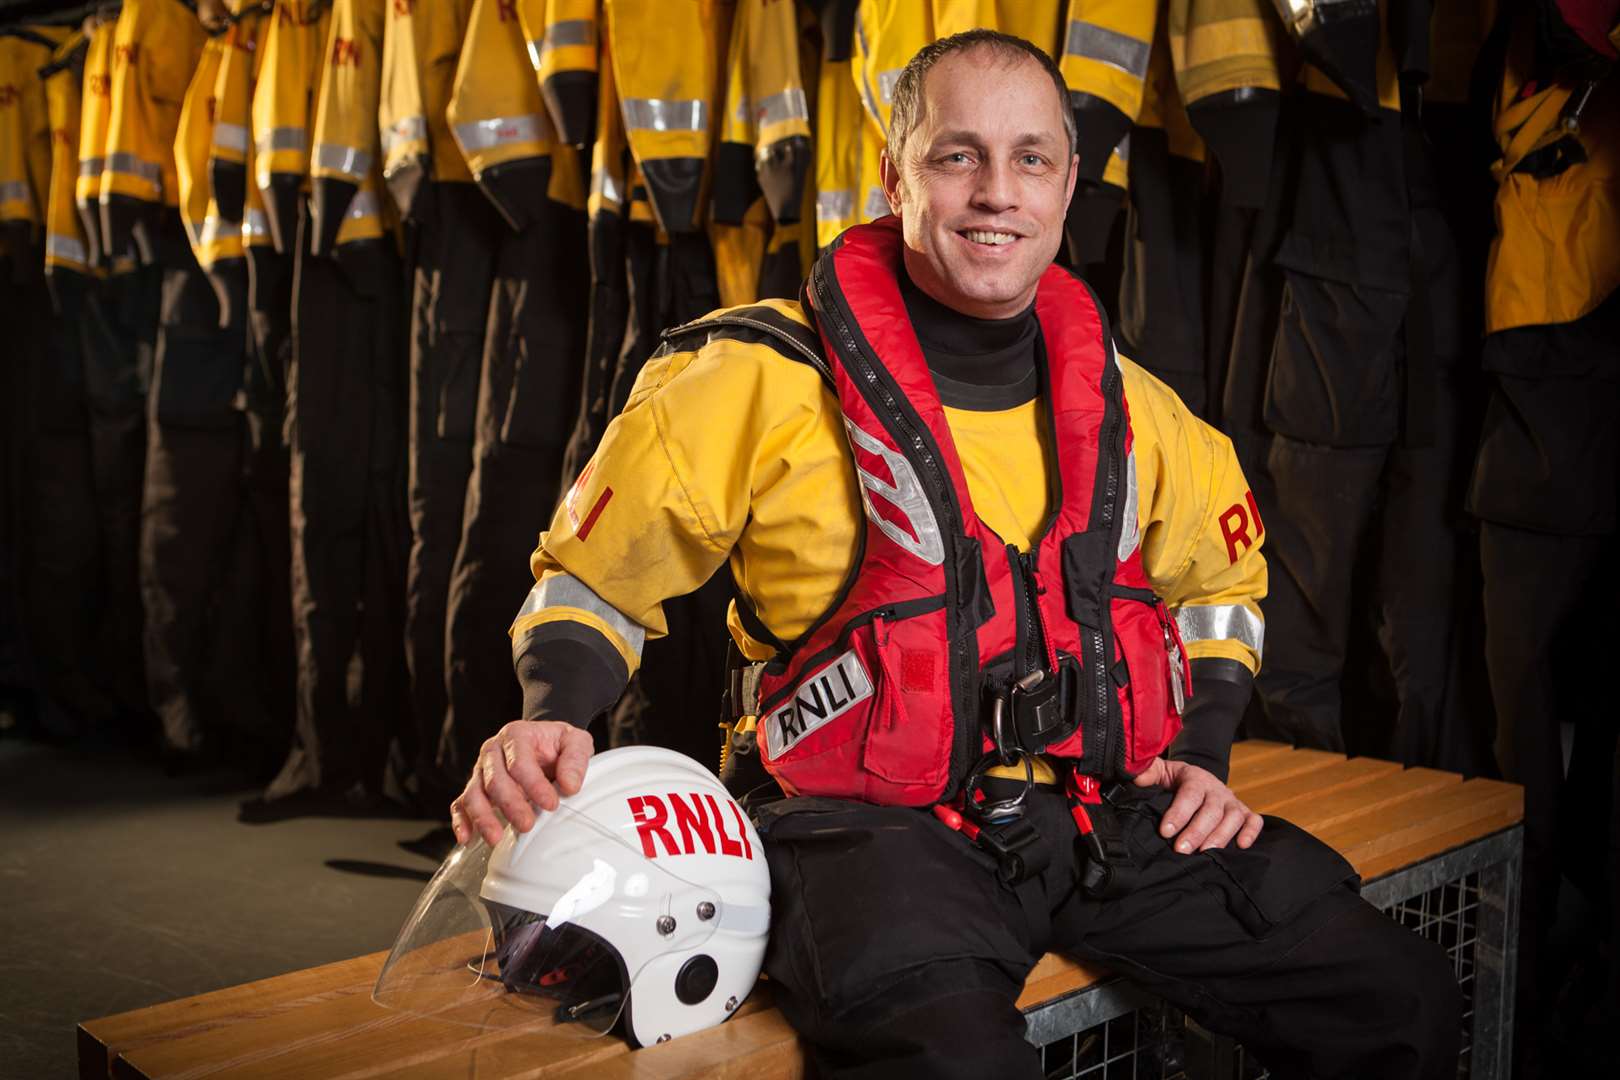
x,y
1240,127
568,672
1221,690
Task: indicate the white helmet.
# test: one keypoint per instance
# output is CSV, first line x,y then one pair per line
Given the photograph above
x,y
646,894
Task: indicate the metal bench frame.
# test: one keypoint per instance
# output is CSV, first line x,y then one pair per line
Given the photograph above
x,y
1498,859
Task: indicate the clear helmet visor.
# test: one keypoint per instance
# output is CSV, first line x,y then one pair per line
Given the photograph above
x,y
465,957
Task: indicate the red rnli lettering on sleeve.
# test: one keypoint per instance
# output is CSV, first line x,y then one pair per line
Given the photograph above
x,y
1236,520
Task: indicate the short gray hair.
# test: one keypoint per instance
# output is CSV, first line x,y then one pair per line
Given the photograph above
x,y
907,104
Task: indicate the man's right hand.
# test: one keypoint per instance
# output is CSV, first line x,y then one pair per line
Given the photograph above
x,y
528,763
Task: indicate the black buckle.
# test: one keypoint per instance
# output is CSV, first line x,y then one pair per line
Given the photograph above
x,y
1016,845
1106,856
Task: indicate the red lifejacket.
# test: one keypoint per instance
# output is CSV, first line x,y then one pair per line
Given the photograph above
x,y
885,698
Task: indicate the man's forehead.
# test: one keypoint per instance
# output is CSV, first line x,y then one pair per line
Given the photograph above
x,y
1022,102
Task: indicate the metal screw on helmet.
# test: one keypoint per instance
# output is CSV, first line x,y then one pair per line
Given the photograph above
x,y
731,1004
706,911
666,925
663,1038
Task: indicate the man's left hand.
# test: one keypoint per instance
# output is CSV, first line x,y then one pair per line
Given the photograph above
x,y
1204,812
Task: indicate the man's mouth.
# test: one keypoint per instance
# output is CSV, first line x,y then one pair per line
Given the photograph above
x,y
990,237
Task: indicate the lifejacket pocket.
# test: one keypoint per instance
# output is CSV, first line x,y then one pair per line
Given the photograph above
x,y
1146,698
869,716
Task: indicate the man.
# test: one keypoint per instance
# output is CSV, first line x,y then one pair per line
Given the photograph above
x,y
1002,653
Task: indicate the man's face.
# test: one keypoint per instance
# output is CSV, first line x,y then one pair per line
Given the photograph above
x,y
984,183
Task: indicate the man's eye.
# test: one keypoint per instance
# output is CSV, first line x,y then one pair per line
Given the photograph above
x,y
958,157
1034,161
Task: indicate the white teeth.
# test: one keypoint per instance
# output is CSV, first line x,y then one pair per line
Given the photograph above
x,y
979,236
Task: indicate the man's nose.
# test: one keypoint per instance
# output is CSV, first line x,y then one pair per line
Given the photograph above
x,y
997,187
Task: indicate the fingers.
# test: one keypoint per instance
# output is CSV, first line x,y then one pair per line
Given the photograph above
x,y
1251,830
1189,798
1203,823
528,756
1236,816
576,750
471,813
504,792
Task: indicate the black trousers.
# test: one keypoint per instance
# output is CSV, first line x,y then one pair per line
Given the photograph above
x,y
346,432
454,249
896,953
534,358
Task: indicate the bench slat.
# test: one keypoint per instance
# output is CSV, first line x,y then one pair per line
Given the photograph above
x,y
1279,766
1279,796
1250,750
1421,825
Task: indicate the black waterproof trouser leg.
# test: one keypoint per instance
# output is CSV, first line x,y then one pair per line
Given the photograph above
x,y
61,580
1331,504
120,333
527,399
897,954
346,400
455,249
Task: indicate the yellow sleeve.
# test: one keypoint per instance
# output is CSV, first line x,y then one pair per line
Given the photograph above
x,y
666,496
1200,528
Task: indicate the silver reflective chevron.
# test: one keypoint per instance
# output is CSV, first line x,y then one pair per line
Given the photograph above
x,y
1117,50
905,495
666,114
780,108
1221,622
567,591
482,135
1130,531
347,160
560,33
231,137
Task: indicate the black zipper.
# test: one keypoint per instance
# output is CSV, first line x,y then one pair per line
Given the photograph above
x,y
896,612
810,355
961,665
1032,630
1113,750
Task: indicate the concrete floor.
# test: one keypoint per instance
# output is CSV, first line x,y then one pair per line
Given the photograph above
x,y
122,887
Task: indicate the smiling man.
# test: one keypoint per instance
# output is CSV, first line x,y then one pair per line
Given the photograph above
x,y
998,609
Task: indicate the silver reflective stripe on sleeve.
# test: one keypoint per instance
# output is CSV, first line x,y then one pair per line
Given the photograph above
x,y
666,114
567,591
92,166
348,160
1124,147
364,204
122,162
886,84
876,205
16,191
255,226
231,137
66,248
835,205
780,108
1130,532
1117,50
1222,622
560,33
405,129
487,134
214,227
281,138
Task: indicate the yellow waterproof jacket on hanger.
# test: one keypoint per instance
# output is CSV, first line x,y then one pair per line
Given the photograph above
x,y
839,122
610,182
1104,60
25,137
212,237
293,49
344,135
668,58
95,108
765,124
66,250
155,51
421,48
563,50
230,154
1555,256
497,116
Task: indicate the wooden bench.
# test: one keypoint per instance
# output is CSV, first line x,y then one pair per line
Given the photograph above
x,y
1445,848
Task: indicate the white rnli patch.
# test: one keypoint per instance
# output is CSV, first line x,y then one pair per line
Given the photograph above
x,y
818,700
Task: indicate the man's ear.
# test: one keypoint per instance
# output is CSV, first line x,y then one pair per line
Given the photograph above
x,y
1074,174
889,177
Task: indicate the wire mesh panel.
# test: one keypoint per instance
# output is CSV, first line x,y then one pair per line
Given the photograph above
x,y
1157,1042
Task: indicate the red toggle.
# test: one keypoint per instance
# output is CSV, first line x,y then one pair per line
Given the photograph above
x,y
953,819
